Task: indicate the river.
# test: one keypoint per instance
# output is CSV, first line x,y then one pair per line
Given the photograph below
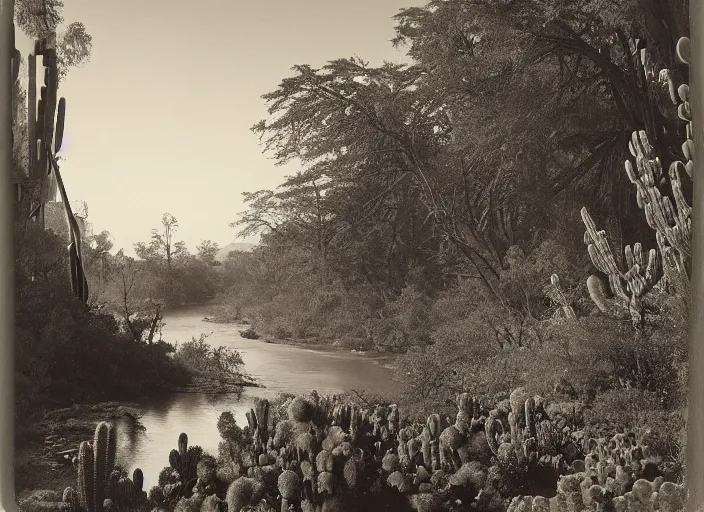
x,y
279,368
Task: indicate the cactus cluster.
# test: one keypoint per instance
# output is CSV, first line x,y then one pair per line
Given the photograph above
x,y
606,490
617,474
326,454
100,485
188,469
670,217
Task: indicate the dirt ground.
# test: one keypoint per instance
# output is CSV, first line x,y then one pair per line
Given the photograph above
x,y
37,465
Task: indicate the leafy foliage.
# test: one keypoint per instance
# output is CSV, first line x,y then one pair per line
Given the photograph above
x,y
437,199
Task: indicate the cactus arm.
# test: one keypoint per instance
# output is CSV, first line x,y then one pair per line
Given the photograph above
x,y
639,279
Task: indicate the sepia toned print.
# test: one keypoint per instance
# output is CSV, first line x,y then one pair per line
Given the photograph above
x,y
410,255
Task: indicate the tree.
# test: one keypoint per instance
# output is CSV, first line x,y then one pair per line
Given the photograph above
x,y
298,213
97,260
526,64
163,249
133,298
73,47
40,19
385,123
207,250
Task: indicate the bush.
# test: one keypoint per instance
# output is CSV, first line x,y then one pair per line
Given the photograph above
x,y
198,357
64,352
249,334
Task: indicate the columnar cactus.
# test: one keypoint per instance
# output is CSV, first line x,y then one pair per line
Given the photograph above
x,y
672,223
126,494
95,464
98,482
45,129
111,491
627,288
356,422
431,442
182,460
531,430
86,494
138,479
493,429
104,449
393,419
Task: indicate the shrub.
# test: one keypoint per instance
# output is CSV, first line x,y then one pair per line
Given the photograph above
x,y
198,357
249,334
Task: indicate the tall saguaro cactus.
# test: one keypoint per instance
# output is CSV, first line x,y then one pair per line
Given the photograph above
x,y
46,113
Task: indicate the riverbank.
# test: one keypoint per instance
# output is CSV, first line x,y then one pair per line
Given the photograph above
x,y
215,386
44,450
315,344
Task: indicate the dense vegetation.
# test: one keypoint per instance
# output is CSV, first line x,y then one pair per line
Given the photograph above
x,y
67,350
314,453
435,201
71,350
439,215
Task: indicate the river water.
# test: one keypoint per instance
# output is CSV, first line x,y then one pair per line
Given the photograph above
x,y
279,368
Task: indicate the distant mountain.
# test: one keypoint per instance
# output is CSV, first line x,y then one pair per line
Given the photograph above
x,y
234,246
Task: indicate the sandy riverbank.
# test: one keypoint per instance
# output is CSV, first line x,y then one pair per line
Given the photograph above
x,y
315,344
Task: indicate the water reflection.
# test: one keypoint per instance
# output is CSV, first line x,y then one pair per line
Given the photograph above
x,y
279,368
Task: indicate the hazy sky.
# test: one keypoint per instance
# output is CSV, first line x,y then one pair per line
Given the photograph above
x,y
159,119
